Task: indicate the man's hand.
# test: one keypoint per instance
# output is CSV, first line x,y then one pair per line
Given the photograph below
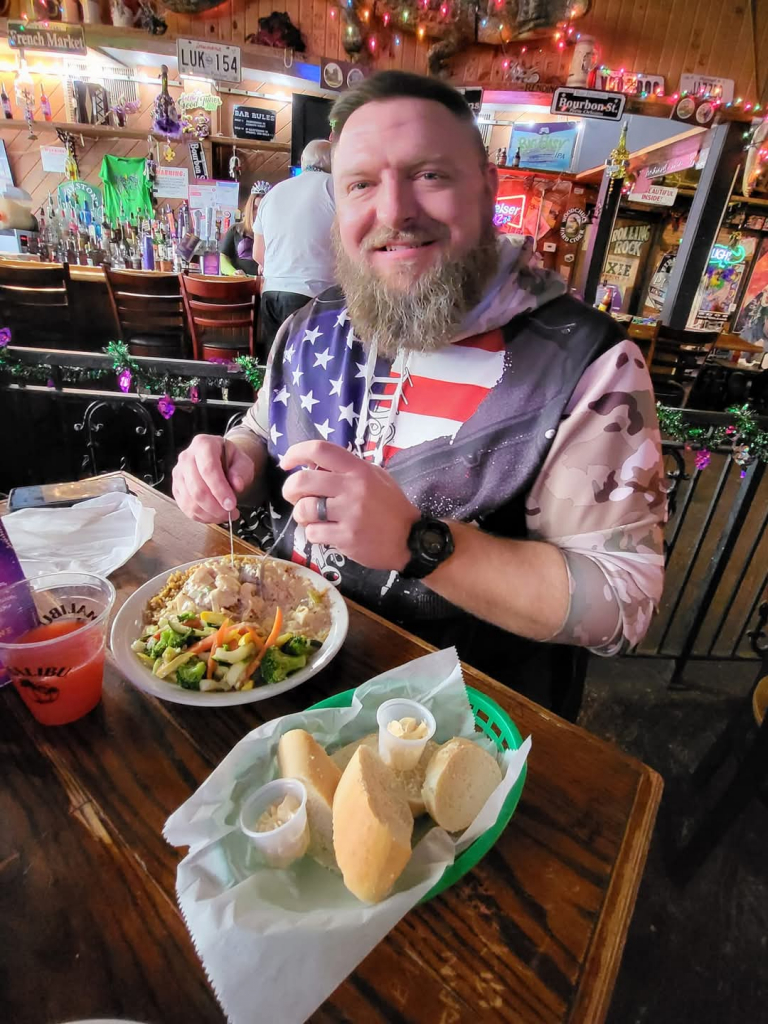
x,y
369,517
202,489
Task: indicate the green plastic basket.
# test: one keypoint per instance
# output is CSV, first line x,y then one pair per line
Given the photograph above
x,y
496,724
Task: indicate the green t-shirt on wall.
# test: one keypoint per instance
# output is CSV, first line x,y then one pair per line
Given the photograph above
x,y
126,188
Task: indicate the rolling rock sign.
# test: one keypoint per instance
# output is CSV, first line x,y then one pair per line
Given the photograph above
x,y
630,239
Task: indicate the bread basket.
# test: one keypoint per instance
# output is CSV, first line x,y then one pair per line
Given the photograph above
x,y
500,728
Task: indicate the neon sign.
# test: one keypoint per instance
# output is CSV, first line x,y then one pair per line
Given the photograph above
x,y
510,211
725,256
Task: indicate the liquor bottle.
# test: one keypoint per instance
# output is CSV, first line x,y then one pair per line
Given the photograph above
x,y
516,158
6,102
45,105
605,303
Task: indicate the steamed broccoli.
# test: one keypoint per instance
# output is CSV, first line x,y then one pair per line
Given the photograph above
x,y
296,646
189,675
276,665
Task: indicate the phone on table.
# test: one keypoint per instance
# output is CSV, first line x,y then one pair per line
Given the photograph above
x,y
64,495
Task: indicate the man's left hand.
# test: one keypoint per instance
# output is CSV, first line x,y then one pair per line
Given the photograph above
x,y
369,517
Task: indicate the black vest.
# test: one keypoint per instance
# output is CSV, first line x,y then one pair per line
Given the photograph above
x,y
481,475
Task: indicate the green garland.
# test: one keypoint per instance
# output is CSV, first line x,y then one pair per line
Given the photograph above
x,y
129,372
745,441
251,371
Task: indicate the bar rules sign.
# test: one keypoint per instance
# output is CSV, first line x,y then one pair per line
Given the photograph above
x,y
253,123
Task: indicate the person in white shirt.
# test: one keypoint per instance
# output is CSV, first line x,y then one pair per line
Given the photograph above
x,y
292,240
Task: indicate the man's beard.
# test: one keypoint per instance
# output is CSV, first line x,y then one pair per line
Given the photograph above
x,y
424,316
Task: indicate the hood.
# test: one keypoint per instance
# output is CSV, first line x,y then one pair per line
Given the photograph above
x,y
516,288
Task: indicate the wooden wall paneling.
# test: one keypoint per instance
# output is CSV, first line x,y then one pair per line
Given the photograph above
x,y
761,88
252,15
316,40
649,54
637,37
743,62
699,19
238,20
675,41
305,22
709,44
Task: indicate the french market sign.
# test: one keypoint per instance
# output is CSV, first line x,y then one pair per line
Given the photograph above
x,y
605,106
34,35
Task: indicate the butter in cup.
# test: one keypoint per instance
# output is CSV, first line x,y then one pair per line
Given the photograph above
x,y
400,752
282,845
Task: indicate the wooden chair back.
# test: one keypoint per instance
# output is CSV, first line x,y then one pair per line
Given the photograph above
x,y
646,336
222,314
149,312
678,358
36,303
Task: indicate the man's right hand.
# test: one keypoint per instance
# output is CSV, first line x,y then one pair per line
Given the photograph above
x,y
203,491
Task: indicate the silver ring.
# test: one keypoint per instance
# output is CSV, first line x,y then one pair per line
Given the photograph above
x,y
322,510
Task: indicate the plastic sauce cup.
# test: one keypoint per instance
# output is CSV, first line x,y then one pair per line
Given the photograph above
x,y
280,846
402,754
52,638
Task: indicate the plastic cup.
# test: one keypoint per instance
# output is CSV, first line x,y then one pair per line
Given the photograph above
x,y
402,754
52,641
281,846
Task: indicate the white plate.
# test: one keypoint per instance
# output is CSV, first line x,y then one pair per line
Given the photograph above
x,y
129,622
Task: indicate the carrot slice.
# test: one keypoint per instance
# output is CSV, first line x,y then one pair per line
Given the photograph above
x,y
274,634
203,645
218,640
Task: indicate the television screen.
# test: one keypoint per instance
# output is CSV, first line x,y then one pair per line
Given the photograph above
x,y
309,121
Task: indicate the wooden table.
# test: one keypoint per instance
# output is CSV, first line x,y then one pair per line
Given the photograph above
x,y
89,925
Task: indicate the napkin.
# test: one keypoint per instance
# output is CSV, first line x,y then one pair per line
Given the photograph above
x,y
276,943
95,536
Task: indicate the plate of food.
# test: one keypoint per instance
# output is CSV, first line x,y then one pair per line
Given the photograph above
x,y
213,634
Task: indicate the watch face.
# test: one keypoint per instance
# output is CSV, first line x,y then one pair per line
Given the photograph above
x,y
432,542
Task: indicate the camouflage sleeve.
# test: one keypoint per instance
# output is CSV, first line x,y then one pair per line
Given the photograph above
x,y
600,499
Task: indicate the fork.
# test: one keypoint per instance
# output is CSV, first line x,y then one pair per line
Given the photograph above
x,y
224,462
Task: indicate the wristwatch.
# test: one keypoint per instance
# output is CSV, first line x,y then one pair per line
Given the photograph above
x,y
430,543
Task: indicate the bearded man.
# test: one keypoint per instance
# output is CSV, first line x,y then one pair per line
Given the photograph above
x,y
457,444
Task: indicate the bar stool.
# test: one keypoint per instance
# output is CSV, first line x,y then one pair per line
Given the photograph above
x,y
222,315
36,303
149,310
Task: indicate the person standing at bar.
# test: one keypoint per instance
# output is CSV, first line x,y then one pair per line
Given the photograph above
x,y
237,244
292,240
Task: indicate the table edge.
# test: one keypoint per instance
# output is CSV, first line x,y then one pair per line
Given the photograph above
x,y
603,959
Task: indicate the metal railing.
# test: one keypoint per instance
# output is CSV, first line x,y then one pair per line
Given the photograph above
x,y
715,602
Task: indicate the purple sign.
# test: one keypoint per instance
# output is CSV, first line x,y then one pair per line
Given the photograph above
x,y
15,617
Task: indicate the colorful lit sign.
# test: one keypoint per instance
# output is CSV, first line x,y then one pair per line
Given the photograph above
x,y
510,211
725,256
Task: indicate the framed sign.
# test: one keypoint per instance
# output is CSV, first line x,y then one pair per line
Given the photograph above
x,y
38,35
209,60
254,123
604,106
547,146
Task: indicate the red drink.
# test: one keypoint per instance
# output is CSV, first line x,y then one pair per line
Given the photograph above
x,y
61,683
